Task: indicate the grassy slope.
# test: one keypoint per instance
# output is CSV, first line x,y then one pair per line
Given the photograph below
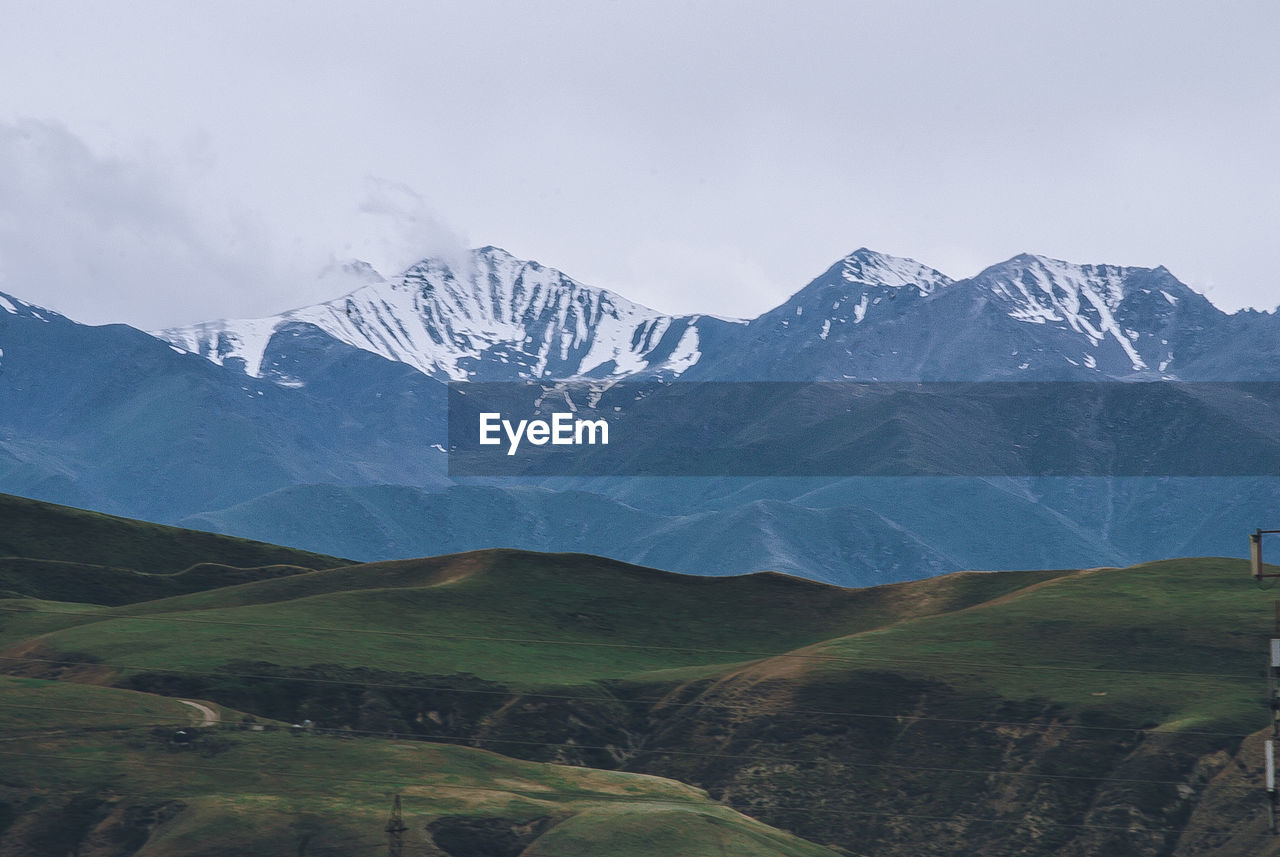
x,y
256,793
1177,643
484,613
96,584
1172,643
36,706
38,530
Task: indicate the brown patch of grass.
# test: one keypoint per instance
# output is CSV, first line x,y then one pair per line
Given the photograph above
x,y
40,661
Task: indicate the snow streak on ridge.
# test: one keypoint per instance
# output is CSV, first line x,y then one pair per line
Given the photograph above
x,y
444,322
868,267
1041,290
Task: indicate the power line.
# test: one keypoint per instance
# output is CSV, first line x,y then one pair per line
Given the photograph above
x,y
319,629
621,700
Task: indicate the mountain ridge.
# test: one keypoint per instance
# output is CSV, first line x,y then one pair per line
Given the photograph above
x,y
869,316
449,324
115,419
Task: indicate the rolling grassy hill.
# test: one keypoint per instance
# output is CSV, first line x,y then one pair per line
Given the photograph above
x,y
99,771
1045,713
525,620
39,530
70,554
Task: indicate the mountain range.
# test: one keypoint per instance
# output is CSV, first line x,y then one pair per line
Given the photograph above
x,y
868,317
498,318
324,427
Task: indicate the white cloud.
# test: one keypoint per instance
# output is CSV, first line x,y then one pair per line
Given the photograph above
x,y
769,138
110,238
407,230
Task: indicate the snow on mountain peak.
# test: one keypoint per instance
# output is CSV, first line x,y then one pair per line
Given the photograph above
x,y
867,267
13,306
1083,298
452,319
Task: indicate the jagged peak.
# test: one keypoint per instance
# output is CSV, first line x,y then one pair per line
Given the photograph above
x,y
488,253
1032,274
1049,263
468,262
476,276
872,268
443,315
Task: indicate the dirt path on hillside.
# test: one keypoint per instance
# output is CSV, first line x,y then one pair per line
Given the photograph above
x,y
210,717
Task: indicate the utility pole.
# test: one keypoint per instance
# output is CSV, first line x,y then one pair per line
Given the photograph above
x,y
395,831
1273,692
1273,678
1271,783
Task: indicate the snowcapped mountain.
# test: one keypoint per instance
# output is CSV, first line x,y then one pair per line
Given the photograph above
x,y
1119,321
869,269
877,317
110,418
856,287
309,428
870,316
497,318
827,329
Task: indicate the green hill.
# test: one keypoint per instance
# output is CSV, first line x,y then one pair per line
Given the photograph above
x,y
1105,711
525,620
65,554
102,772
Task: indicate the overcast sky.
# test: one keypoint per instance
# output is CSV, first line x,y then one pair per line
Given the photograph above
x,y
168,162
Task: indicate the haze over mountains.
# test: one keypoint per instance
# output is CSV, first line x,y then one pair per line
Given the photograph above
x,y
324,427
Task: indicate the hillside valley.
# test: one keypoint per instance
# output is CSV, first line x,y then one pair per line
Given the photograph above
x,y
1099,711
